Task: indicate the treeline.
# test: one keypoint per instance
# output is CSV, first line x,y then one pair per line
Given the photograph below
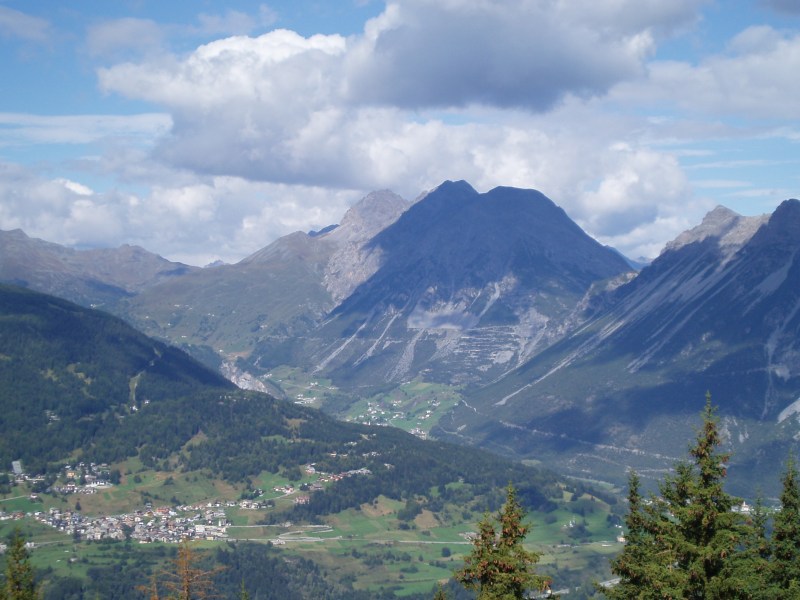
x,y
688,542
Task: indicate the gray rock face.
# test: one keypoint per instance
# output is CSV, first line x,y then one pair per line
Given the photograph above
x,y
730,230
462,285
352,262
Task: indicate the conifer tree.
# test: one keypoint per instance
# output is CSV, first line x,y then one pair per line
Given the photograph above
x,y
440,593
499,567
684,541
243,593
642,566
747,572
19,583
151,591
786,537
189,582
705,530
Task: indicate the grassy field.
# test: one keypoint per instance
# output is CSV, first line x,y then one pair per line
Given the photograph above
x,y
412,406
369,547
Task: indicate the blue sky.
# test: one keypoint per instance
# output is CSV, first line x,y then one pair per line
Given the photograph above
x,y
205,130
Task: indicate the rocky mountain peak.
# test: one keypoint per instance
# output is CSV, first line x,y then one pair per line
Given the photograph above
x,y
353,262
730,229
368,216
787,216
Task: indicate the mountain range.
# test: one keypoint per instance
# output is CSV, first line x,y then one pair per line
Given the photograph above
x,y
555,349
716,311
89,277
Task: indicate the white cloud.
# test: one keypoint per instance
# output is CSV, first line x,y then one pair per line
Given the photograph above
x,y
56,210
16,24
75,187
514,53
196,222
331,111
750,80
638,185
22,129
110,38
278,132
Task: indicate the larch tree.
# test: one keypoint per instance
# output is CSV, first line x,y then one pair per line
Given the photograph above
x,y
187,581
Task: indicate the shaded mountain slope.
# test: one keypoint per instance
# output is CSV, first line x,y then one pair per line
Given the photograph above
x,y
718,311
68,374
469,285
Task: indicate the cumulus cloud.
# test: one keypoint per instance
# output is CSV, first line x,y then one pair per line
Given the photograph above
x,y
485,90
194,221
519,53
277,132
55,210
333,111
748,80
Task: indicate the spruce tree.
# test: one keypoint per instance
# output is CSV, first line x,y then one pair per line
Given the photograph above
x,y
683,542
499,567
643,564
746,574
19,583
786,537
706,531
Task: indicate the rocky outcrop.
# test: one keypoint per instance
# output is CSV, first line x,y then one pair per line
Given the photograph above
x,y
353,262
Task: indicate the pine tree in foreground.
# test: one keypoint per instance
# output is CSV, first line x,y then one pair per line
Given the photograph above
x,y
499,567
641,564
786,537
684,540
747,572
19,583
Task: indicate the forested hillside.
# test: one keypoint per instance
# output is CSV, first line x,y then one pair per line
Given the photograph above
x,y
80,384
